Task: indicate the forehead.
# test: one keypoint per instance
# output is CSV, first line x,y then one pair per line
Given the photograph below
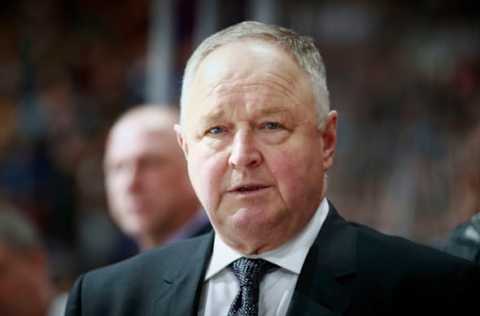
x,y
251,72
246,58
133,139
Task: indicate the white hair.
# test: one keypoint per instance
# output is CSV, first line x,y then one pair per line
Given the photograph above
x,y
301,48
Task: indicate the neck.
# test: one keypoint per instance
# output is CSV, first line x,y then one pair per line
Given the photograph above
x,y
166,232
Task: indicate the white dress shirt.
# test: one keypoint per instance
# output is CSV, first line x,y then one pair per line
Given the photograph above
x,y
276,289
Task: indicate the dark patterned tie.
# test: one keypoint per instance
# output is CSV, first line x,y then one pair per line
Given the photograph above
x,y
249,273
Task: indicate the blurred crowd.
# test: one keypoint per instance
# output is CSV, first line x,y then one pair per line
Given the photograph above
x,y
67,70
404,78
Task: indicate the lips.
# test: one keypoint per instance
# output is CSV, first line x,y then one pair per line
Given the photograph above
x,y
248,188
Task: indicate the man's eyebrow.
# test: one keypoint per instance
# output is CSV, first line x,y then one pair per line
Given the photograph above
x,y
273,110
218,114
213,116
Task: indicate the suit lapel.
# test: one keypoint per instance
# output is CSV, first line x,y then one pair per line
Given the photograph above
x,y
180,290
323,287
325,283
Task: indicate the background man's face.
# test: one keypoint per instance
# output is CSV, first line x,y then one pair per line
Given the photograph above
x,y
255,156
144,178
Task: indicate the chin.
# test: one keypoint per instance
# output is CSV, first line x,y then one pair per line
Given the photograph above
x,y
131,230
248,219
254,242
254,228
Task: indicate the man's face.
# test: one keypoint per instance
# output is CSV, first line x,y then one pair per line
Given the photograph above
x,y
255,156
22,283
145,178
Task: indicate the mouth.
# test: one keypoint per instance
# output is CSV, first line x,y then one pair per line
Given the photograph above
x,y
248,189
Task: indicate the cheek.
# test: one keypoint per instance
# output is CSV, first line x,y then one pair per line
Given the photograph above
x,y
114,192
116,188
293,176
206,171
285,172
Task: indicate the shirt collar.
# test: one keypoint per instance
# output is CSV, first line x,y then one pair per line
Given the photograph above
x,y
289,256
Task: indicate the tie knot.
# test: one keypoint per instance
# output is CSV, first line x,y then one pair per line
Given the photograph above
x,y
250,272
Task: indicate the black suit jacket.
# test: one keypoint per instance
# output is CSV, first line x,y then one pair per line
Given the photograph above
x,y
349,270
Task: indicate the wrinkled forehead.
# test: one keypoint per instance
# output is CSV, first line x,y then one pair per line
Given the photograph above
x,y
262,40
250,68
249,56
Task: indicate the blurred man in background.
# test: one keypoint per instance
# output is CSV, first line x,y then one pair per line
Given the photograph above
x,y
25,286
149,194
464,240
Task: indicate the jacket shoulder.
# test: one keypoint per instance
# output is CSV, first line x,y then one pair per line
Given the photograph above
x,y
130,286
165,260
377,250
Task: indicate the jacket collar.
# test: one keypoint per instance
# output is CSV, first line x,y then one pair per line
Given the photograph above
x,y
325,283
180,290
323,288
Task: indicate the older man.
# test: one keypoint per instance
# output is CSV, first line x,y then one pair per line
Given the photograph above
x,y
150,196
258,137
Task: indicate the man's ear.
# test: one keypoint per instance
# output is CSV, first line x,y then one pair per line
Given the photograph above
x,y
329,139
181,139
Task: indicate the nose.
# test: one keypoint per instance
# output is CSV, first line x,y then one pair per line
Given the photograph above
x,y
244,152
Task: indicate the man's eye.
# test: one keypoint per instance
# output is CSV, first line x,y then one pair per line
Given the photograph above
x,y
215,130
271,125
